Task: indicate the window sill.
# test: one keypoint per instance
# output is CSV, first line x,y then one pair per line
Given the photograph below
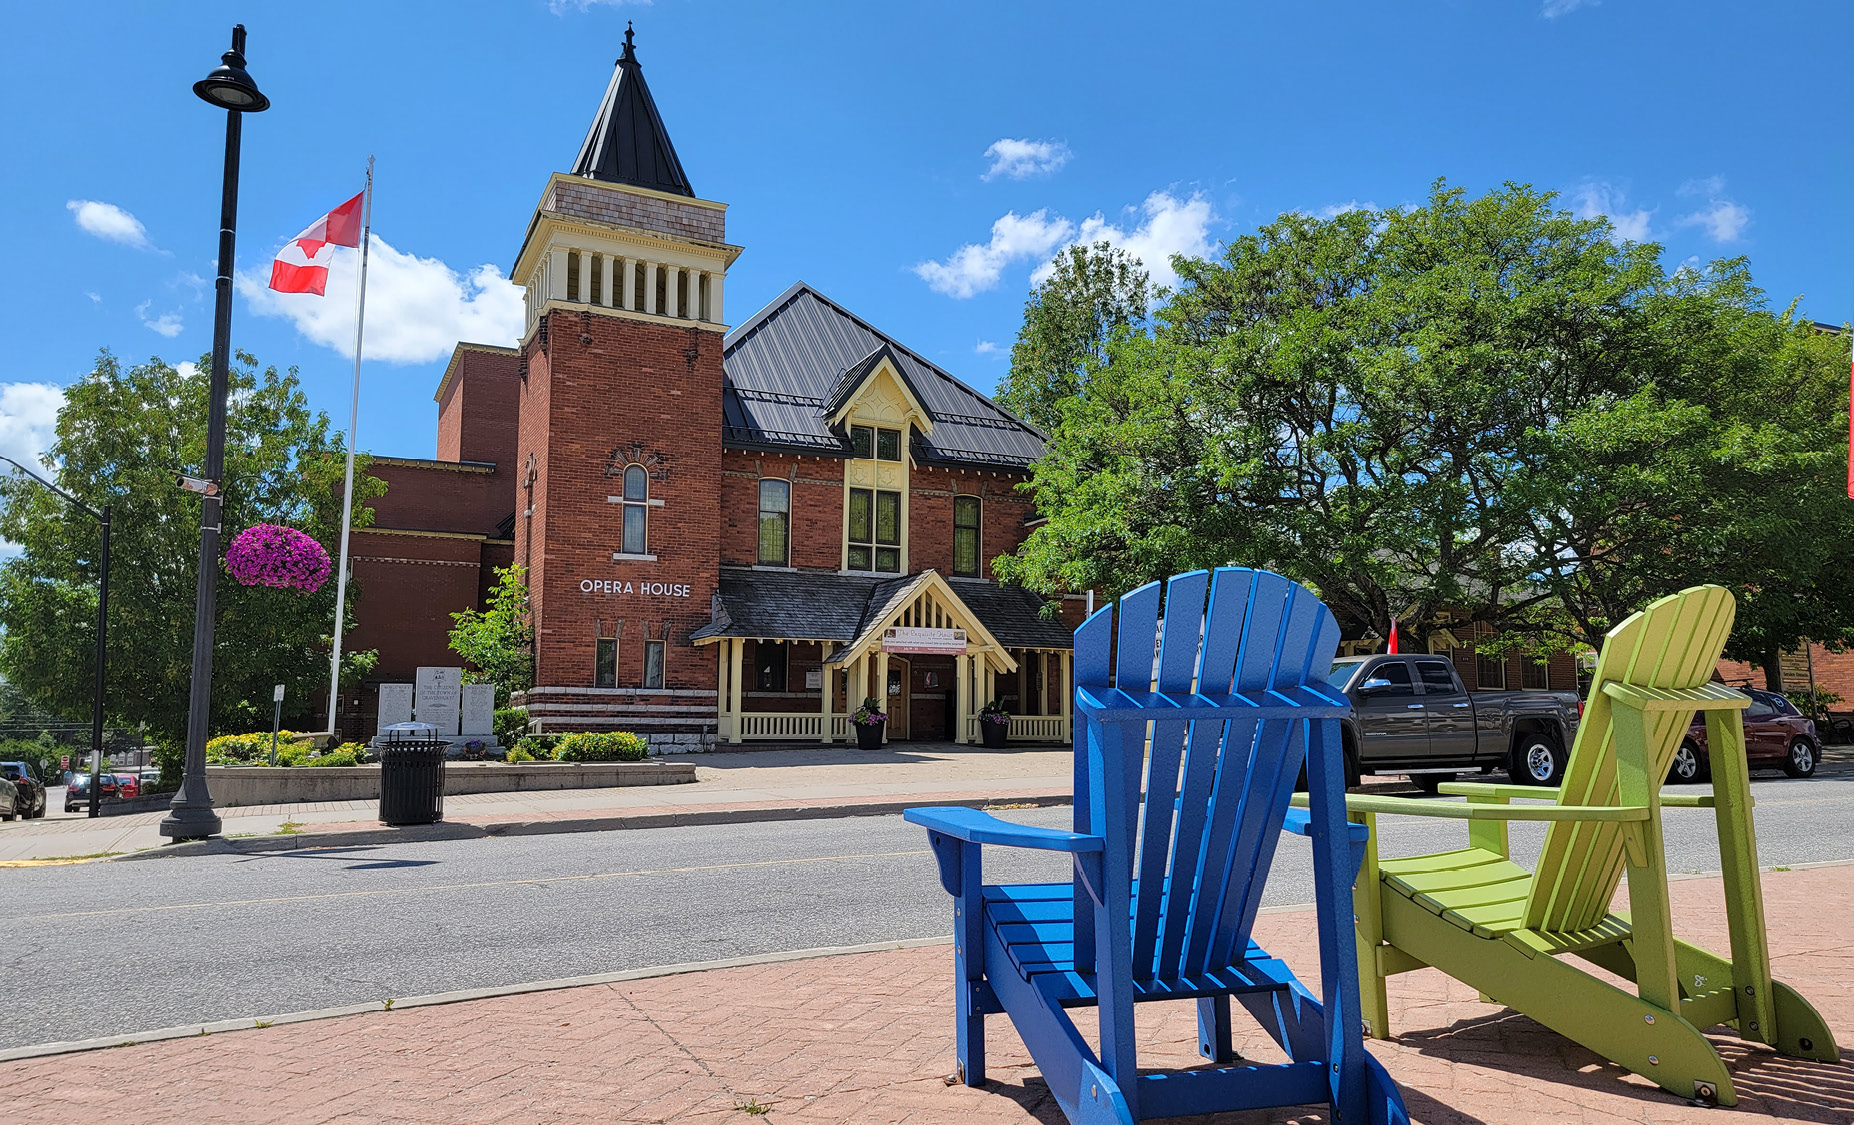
x,y
780,569
620,556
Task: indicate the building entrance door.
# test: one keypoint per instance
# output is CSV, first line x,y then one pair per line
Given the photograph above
x,y
900,677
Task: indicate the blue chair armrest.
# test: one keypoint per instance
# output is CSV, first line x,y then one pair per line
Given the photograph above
x,y
975,827
1299,822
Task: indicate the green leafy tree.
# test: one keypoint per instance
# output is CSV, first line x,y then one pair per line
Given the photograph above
x,y
1094,292
498,642
1482,406
122,435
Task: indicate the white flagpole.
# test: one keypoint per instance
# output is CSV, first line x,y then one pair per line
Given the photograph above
x,y
347,490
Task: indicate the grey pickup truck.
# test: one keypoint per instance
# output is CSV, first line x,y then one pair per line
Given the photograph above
x,y
1411,715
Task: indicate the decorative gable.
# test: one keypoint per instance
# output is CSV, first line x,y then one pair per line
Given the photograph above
x,y
876,390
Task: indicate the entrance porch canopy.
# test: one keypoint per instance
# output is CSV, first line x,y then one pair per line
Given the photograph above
x,y
848,615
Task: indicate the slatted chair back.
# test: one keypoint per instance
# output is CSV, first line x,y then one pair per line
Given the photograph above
x,y
1243,647
1673,643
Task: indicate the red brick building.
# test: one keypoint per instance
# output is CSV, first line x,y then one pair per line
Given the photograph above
x,y
723,527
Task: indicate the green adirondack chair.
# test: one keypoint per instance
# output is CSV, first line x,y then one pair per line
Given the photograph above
x,y
1491,924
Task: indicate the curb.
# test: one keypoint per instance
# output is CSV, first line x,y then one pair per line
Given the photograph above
x,y
461,830
255,1023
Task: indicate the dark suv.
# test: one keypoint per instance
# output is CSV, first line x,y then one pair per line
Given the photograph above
x,y
31,790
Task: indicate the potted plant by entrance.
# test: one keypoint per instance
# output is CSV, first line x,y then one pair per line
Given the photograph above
x,y
994,724
869,720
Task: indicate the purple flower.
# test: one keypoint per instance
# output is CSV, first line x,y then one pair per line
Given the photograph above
x,y
268,555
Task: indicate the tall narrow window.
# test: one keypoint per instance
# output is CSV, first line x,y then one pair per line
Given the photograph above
x,y
888,445
862,442
636,511
875,531
966,536
605,663
1490,671
775,521
653,664
1534,676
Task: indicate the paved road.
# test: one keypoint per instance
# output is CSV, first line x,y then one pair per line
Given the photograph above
x,y
218,937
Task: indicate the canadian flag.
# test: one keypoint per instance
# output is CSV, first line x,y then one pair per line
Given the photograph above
x,y
302,265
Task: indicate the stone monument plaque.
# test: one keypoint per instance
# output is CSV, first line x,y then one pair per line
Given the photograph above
x,y
395,706
479,711
436,700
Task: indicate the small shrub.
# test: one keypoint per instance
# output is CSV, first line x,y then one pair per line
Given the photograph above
x,y
341,757
510,724
609,746
250,749
538,746
517,754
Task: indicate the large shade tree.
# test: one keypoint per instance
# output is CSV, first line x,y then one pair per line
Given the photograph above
x,y
1480,407
123,434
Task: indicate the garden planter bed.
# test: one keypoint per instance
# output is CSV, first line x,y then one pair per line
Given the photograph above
x,y
262,785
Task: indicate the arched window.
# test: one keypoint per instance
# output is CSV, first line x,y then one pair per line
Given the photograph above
x,y
775,521
636,511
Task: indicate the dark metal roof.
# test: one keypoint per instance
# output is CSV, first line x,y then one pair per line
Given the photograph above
x,y
627,143
821,606
785,365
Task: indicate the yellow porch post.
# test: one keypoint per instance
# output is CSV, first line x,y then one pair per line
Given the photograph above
x,y
1064,660
824,696
736,656
961,700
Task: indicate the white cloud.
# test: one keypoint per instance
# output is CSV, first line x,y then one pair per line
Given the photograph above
x,y
972,268
109,222
28,421
1555,8
1021,159
96,298
1334,210
417,308
1722,219
167,324
1170,225
1597,197
985,347
187,368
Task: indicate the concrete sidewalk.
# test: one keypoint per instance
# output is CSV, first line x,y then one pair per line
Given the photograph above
x,y
730,787
868,1039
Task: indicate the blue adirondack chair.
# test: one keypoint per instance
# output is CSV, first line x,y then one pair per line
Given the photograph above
x,y
1171,848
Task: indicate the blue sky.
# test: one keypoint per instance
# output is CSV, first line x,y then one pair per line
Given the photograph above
x,y
915,162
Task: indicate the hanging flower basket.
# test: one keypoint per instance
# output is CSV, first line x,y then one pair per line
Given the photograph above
x,y
268,555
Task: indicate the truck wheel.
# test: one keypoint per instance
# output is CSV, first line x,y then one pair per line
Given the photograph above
x,y
1538,759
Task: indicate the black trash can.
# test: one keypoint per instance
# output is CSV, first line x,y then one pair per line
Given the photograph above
x,y
411,774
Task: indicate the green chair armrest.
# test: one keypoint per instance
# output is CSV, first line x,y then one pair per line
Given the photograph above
x,y
1693,801
1487,789
1706,697
1452,810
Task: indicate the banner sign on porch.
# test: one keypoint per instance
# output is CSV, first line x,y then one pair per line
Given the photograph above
x,y
933,642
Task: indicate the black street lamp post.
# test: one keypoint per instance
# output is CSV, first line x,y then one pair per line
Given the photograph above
x,y
191,815
96,702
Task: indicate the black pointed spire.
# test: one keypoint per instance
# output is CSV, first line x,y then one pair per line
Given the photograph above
x,y
627,143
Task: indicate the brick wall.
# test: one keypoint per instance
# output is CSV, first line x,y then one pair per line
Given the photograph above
x,y
406,587
440,496
817,511
476,412
648,393
1834,671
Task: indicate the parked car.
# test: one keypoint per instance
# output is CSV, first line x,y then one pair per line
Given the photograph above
x,y
31,790
9,799
1777,735
1413,715
77,792
127,785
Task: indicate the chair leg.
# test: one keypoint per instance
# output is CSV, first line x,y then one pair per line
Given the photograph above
x,y
1215,1040
1367,891
969,968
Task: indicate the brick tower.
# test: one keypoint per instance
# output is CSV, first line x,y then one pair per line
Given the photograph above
x,y
618,457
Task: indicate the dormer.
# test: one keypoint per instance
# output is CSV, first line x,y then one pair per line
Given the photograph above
x,y
876,391
624,234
